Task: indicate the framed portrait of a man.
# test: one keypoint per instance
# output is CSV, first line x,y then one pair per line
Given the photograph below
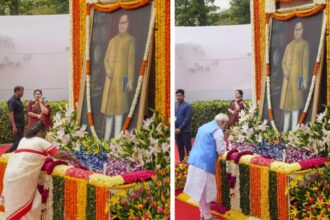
x,y
293,50
118,42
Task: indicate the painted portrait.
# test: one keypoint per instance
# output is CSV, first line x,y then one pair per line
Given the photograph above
x,y
292,55
118,42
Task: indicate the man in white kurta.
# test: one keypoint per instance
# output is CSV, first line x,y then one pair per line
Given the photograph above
x,y
209,144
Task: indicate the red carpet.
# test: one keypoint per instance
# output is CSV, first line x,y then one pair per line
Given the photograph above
x,y
177,157
184,211
3,149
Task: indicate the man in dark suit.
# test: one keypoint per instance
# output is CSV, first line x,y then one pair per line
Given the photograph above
x,y
16,116
183,112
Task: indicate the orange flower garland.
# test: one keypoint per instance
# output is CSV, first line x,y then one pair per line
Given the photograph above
x,y
2,173
259,24
298,13
70,198
101,201
116,6
255,191
282,197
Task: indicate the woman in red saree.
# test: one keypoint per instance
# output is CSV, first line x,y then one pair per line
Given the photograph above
x,y
235,107
38,110
20,195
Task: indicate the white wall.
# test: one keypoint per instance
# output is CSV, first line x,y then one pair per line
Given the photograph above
x,y
34,53
212,62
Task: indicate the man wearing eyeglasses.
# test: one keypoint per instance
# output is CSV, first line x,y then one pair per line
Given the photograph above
x,y
295,65
119,65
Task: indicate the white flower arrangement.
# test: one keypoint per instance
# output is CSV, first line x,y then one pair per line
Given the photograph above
x,y
314,136
65,132
150,146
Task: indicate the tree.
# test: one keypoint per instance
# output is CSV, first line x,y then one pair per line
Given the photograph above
x,y
195,12
34,7
240,10
238,13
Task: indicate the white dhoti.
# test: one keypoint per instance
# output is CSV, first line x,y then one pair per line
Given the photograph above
x,y
201,186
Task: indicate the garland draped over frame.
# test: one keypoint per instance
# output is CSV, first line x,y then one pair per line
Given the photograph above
x,y
162,57
288,16
162,47
258,17
258,53
112,8
77,49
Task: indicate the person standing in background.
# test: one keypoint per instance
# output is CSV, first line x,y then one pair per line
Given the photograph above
x,y
183,113
16,116
38,110
235,107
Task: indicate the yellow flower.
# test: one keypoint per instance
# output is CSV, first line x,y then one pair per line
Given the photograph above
x,y
121,193
146,186
115,200
131,214
294,211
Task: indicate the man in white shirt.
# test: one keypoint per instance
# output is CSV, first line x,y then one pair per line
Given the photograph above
x,y
209,144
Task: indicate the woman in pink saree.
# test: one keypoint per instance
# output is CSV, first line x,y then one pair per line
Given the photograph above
x,y
21,197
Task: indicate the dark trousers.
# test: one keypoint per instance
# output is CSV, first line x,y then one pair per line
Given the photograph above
x,y
19,135
183,141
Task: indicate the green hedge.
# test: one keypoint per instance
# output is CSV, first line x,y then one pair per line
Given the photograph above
x,y
5,129
205,111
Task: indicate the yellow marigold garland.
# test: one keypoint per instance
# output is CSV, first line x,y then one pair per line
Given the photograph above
x,y
264,193
81,201
60,170
101,180
161,51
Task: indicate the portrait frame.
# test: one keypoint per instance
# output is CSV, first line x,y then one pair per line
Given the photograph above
x,y
270,101
138,98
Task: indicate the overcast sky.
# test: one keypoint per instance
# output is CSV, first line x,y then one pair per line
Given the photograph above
x,y
223,4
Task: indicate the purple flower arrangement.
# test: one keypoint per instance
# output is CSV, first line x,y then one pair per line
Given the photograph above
x,y
119,166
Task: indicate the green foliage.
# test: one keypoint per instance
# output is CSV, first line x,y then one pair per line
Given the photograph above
x,y
310,195
238,13
145,201
34,7
195,12
205,111
5,129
